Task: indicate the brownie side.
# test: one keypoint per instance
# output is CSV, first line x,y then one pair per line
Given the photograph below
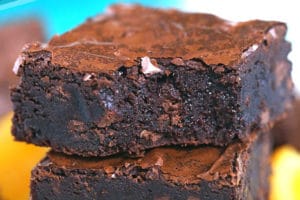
x,y
259,168
239,171
266,83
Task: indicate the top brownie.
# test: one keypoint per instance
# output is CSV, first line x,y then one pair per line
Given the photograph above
x,y
137,78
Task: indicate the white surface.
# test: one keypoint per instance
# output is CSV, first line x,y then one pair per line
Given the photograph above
x,y
236,10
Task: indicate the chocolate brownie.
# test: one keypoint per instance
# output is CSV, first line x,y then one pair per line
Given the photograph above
x,y
238,171
137,78
287,131
11,42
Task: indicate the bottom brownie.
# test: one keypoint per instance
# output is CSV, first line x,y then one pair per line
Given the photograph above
x,y
238,171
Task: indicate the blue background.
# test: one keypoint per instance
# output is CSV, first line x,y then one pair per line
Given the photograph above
x,y
61,16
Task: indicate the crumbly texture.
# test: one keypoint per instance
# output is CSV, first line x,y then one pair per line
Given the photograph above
x,y
287,131
11,42
122,83
238,171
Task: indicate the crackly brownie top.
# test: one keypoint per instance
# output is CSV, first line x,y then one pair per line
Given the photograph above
x,y
180,166
124,34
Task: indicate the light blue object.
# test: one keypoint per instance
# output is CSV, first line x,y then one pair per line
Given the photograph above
x,y
61,16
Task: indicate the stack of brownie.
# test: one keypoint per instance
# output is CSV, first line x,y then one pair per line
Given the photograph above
x,y
143,103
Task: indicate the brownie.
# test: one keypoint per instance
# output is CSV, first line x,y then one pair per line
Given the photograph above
x,y
137,78
11,41
287,131
237,171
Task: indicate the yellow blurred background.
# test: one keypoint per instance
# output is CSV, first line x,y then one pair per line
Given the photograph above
x,y
285,181
16,161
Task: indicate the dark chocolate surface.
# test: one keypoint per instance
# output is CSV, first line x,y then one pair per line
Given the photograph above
x,y
97,107
239,171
